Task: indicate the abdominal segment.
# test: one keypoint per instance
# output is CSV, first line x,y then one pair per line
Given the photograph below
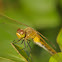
x,y
44,45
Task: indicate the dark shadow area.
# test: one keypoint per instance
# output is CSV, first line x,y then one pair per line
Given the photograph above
x,y
59,9
51,34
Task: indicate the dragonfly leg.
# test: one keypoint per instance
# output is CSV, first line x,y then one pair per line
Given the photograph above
x,y
14,40
17,41
30,48
28,44
24,44
22,41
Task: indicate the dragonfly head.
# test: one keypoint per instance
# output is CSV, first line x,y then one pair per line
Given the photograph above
x,y
20,33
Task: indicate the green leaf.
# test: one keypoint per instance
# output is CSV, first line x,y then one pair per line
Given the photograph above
x,y
7,35
21,52
5,60
8,28
59,39
56,58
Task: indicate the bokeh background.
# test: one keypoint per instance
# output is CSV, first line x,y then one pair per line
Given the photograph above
x,y
44,16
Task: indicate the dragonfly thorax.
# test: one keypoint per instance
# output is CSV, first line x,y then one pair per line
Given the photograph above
x,y
20,33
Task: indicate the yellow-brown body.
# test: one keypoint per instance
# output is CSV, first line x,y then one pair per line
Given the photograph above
x,y
37,39
31,33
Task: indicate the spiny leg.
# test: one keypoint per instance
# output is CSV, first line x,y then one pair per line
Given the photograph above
x,y
14,40
28,44
22,41
29,47
18,41
24,44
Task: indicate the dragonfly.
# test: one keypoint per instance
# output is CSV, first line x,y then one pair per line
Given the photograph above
x,y
36,37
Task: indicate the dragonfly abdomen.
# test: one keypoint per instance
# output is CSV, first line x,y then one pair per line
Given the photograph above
x,y
50,49
47,48
44,45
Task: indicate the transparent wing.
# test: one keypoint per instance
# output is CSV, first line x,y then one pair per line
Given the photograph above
x,y
9,25
8,28
11,20
43,37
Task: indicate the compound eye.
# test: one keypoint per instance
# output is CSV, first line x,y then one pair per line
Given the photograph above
x,y
20,31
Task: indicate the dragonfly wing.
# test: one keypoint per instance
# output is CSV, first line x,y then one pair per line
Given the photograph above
x,y
8,28
42,43
9,24
46,39
10,20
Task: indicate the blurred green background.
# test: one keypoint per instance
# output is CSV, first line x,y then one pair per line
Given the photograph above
x,y
44,16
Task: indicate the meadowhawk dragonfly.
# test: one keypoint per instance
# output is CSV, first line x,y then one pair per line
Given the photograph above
x,y
28,32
